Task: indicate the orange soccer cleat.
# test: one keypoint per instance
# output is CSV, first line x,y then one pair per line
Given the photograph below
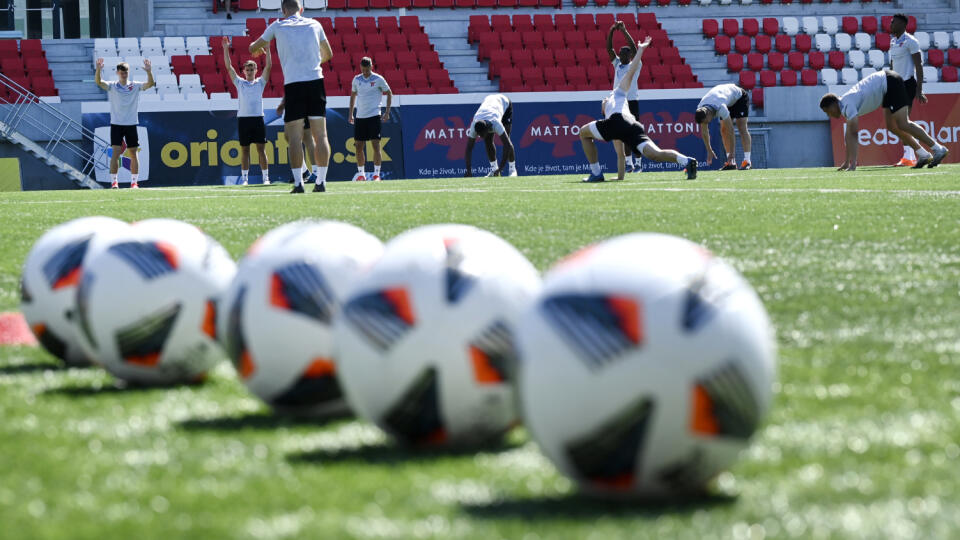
x,y
904,162
746,166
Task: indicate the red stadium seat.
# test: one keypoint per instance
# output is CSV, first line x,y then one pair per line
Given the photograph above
x,y
721,45
554,76
816,60
574,40
585,57
751,27
554,40
344,25
788,77
36,65
953,57
731,27
522,23
710,28
770,26
768,78
734,62
804,43
742,44
883,41
532,40
521,57
808,77
31,48
837,59
564,22
565,57
775,61
763,44
783,43
511,40
256,26
850,25
411,24
911,24
935,58
757,97
543,58
949,74
748,79
885,22
755,61
575,74
647,21
795,60
420,42
204,63
683,74
869,25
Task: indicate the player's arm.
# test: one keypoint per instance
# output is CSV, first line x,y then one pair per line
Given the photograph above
x,y
386,113
281,106
256,48
705,135
353,101
96,76
610,52
148,67
918,67
468,153
325,52
268,66
630,42
634,66
227,61
850,139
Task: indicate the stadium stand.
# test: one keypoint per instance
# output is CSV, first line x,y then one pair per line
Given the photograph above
x,y
24,62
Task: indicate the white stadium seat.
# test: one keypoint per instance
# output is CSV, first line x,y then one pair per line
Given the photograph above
x,y
725,2
309,4
941,40
128,47
857,59
930,74
843,42
876,58
190,82
138,74
823,42
197,45
172,97
811,25
135,61
828,76
104,47
150,97
220,96
924,39
956,38
704,2
746,2
150,46
173,46
863,41
867,71
849,75
791,26
161,64
196,96
830,25
166,83
110,65
151,90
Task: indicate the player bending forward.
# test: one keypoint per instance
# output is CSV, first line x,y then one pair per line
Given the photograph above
x,y
886,89
726,102
367,90
250,126
495,115
620,125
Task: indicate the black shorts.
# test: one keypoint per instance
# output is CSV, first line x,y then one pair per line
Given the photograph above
x,y
119,133
366,129
251,130
896,96
634,105
741,109
617,128
304,99
911,85
507,118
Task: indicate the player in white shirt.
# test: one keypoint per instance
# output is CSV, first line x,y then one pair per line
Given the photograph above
x,y
621,63
303,47
250,126
906,60
881,89
495,116
366,92
726,102
124,99
619,124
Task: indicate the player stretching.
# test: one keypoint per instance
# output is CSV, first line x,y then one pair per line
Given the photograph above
x,y
620,125
303,47
621,62
726,102
495,115
367,90
906,60
250,126
886,89
124,98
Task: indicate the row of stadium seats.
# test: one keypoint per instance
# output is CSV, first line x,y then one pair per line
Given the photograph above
x,y
560,22
829,76
808,25
384,25
149,46
25,62
802,42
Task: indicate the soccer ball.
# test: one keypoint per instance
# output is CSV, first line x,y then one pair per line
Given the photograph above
x,y
49,281
277,321
147,302
426,339
645,366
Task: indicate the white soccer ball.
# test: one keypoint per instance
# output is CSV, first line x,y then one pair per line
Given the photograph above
x,y
147,302
49,281
427,336
277,317
646,365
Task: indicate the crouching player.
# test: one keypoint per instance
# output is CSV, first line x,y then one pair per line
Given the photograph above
x,y
620,125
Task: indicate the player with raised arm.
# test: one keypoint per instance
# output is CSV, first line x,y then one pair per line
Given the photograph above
x,y
621,63
881,89
495,116
906,60
726,102
619,124
250,126
124,99
367,90
303,47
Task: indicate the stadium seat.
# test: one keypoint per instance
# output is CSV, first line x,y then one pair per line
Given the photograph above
x,y
782,43
791,26
849,75
808,77
763,44
804,43
949,74
863,41
922,37
775,61
768,78
824,42
843,42
190,82
710,28
198,45
788,77
220,96
830,25
882,41
771,26
103,47
171,96
795,60
734,62
867,71
850,25
751,27
151,46
829,76
756,97
173,46
755,61
836,59
721,45
876,58
152,97
748,79
953,57
731,27
930,74
857,59
956,38
811,25
128,47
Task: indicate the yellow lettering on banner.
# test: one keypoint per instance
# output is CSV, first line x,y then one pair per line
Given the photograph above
x,y
230,153
167,152
282,147
212,146
368,150
196,150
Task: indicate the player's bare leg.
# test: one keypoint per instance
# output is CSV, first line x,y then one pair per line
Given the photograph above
x,y
294,133
747,141
729,146
590,151
321,151
377,159
134,168
360,149
114,165
653,152
264,166
244,164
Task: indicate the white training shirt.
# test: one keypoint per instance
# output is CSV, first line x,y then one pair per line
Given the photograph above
x,y
124,101
369,93
298,45
619,70
720,97
615,103
491,110
902,50
865,97
249,96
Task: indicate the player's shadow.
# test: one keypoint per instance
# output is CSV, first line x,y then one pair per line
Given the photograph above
x,y
581,506
389,453
107,389
261,421
21,369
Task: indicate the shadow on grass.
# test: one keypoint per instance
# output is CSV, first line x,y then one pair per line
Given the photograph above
x,y
580,506
389,452
115,387
265,421
20,369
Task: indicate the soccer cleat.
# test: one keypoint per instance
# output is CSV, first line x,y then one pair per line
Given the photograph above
x,y
628,168
904,162
594,178
938,156
376,178
306,175
493,173
243,183
922,162
321,187
746,166
513,173
729,166
297,189
360,177
114,186
691,169
266,181
310,179
134,186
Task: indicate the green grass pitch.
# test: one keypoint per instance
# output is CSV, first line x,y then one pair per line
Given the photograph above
x,y
859,271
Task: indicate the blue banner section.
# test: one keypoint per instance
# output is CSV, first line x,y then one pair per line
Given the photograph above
x,y
546,137
201,148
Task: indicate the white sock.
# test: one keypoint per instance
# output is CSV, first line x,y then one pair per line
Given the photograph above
x,y
493,165
316,171
376,170
683,160
628,160
321,173
113,178
266,174
513,166
297,176
134,178
746,157
245,174
595,169
361,170
923,153
303,169
937,146
908,153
